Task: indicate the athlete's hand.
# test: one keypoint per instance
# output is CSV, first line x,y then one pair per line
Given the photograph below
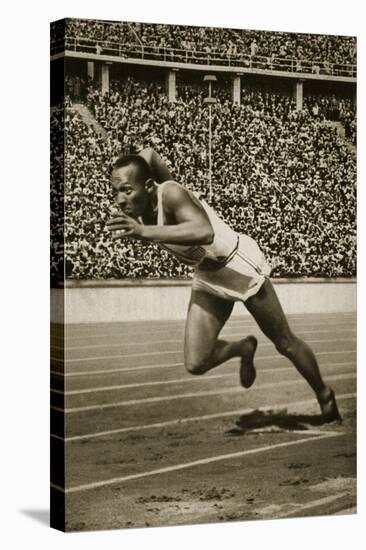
x,y
122,225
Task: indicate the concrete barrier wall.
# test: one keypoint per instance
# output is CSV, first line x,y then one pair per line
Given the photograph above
x,y
57,306
93,303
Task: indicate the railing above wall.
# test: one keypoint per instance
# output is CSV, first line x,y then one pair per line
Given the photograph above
x,y
244,61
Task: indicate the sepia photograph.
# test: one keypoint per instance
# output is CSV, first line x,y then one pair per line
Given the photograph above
x,y
203,274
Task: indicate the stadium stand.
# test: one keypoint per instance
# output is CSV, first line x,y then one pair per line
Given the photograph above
x,y
306,53
57,193
283,176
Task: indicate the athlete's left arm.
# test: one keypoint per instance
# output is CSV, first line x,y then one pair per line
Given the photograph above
x,y
191,227
158,166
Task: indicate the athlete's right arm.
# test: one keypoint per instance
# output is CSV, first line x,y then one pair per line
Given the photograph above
x,y
159,168
189,225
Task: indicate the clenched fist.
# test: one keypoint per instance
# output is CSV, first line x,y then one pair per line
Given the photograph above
x,y
122,225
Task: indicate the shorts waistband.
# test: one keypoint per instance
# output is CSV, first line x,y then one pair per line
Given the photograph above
x,y
208,264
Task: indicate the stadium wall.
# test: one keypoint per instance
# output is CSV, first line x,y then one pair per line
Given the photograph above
x,y
116,301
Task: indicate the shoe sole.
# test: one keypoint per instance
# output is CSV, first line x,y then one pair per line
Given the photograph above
x,y
246,381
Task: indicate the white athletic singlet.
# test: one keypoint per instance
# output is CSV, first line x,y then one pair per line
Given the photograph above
x,y
232,267
206,256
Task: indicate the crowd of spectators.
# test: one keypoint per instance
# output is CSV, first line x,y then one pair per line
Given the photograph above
x,y
301,52
234,42
57,192
80,209
90,29
283,176
336,109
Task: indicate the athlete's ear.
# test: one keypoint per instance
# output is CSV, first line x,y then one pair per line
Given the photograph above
x,y
150,185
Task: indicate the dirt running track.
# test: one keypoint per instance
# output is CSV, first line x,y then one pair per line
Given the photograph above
x,y
148,444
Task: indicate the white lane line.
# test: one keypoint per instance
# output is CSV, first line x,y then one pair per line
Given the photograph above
x,y
192,464
165,352
180,421
312,504
249,323
336,316
173,365
191,379
173,397
104,357
180,340
110,371
143,384
233,320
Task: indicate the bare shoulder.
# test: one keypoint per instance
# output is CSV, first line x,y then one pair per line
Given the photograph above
x,y
174,194
181,205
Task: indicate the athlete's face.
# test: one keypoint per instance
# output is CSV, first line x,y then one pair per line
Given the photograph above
x,y
130,191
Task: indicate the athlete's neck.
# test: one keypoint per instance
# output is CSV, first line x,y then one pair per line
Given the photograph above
x,y
150,216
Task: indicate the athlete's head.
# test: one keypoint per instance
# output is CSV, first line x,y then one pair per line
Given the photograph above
x,y
132,181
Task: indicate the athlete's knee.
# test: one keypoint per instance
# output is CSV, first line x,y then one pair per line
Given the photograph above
x,y
286,345
196,366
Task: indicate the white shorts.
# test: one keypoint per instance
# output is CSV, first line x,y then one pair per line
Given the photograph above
x,y
240,278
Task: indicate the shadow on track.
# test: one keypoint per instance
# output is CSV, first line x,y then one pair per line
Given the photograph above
x,y
275,421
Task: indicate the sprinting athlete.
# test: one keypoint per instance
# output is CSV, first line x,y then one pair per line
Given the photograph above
x,y
229,267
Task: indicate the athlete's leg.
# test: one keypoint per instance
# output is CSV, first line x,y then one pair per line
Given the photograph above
x,y
268,313
203,351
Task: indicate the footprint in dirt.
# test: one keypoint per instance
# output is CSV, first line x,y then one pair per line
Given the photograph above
x,y
345,455
216,494
298,465
293,482
155,498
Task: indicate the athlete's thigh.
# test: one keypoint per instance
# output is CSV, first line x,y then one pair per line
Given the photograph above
x,y
206,316
266,309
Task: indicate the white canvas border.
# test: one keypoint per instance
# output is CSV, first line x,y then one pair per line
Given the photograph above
x,y
24,274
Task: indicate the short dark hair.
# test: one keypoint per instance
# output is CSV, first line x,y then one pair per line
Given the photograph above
x,y
144,171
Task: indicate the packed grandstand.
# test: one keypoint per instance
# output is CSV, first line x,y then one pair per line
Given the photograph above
x,y
284,176
297,52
